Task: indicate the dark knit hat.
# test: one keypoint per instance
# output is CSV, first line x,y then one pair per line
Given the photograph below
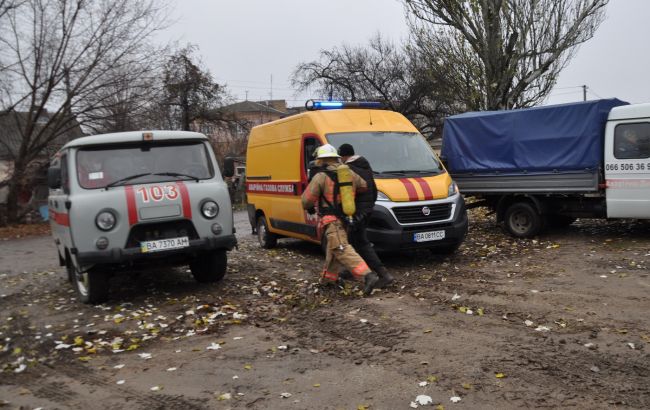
x,y
346,150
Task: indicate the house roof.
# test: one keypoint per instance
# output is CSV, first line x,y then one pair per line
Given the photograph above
x,y
252,106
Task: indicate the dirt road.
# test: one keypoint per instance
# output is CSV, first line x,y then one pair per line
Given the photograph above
x,y
556,322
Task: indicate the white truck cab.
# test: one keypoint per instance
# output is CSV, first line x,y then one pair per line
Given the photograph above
x,y
627,162
134,199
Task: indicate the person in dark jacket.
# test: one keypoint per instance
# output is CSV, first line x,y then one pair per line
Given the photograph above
x,y
365,202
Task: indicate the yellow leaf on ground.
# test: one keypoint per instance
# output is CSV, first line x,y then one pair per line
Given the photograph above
x,y
316,384
84,358
78,341
500,375
248,366
432,379
467,386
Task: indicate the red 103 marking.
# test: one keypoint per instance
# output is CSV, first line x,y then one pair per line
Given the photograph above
x,y
157,193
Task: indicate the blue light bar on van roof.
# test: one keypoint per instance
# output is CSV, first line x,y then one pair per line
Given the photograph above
x,y
312,105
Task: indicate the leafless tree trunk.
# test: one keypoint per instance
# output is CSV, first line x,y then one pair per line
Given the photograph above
x,y
508,52
59,57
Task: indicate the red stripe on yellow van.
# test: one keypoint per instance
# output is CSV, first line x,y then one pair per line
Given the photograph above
x,y
426,189
130,205
410,189
185,199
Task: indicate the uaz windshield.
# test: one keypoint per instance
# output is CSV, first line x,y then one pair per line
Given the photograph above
x,y
141,164
391,152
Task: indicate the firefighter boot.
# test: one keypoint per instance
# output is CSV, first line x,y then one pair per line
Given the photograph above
x,y
346,275
385,278
370,281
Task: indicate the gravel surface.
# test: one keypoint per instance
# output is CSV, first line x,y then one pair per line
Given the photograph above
x,y
560,321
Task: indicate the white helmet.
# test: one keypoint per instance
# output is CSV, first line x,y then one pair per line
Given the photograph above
x,y
327,151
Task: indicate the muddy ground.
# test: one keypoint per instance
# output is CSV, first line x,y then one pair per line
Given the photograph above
x,y
561,321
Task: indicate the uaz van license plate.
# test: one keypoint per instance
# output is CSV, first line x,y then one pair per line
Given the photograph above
x,y
164,244
428,236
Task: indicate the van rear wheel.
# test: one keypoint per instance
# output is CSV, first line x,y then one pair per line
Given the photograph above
x,y
91,286
210,267
266,239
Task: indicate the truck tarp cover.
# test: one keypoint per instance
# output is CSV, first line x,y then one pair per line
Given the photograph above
x,y
540,139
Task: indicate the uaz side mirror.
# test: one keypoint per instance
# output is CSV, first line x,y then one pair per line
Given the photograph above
x,y
228,167
54,178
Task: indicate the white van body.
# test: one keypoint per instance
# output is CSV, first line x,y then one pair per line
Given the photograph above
x,y
138,198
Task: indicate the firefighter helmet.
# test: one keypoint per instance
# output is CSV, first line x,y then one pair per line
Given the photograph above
x,y
327,151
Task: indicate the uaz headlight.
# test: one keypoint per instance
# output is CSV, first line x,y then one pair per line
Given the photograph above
x,y
105,220
209,209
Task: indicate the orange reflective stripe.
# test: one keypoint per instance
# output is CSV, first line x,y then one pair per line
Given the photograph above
x,y
361,269
327,219
328,192
330,275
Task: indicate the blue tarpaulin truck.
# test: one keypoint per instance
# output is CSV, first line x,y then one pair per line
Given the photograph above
x,y
549,165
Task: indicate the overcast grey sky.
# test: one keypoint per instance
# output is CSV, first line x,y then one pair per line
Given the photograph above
x,y
245,42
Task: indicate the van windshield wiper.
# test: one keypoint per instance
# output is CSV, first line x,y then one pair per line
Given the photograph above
x,y
121,180
177,174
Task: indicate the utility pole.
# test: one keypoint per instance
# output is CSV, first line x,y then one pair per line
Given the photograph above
x,y
584,93
271,93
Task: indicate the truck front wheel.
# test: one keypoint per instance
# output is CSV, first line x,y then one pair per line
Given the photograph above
x,y
522,220
210,267
91,286
266,239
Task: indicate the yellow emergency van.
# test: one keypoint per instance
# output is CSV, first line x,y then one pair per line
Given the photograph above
x,y
418,204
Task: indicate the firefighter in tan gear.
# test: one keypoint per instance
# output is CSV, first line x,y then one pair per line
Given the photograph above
x,y
324,192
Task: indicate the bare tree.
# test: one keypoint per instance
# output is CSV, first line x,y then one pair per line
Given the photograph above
x,y
509,52
130,101
380,71
58,55
191,94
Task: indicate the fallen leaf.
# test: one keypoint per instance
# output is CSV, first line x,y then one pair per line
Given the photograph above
x,y
156,388
248,366
423,400
285,395
454,399
120,382
214,346
466,386
224,396
500,375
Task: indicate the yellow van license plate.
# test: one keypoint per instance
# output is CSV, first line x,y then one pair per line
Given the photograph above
x,y
164,244
428,236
